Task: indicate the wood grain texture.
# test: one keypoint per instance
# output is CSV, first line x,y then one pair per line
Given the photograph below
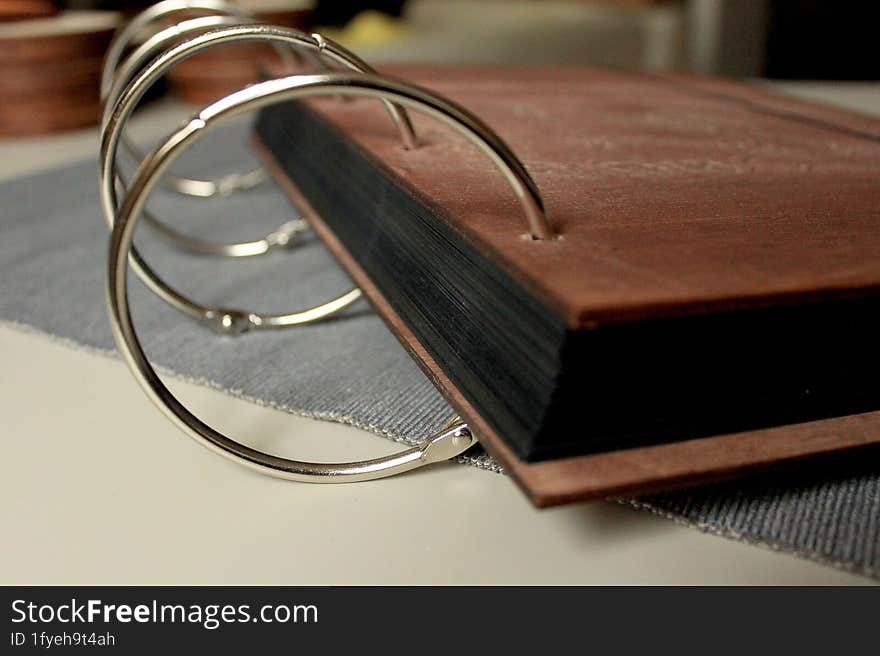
x,y
673,194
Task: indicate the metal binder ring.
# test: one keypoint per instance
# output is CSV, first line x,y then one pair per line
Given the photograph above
x,y
122,103
225,13
440,446
285,235
126,35
235,321
123,74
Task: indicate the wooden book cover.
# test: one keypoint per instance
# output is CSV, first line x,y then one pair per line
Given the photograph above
x,y
711,306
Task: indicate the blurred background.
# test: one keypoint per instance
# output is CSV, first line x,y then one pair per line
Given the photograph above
x,y
54,87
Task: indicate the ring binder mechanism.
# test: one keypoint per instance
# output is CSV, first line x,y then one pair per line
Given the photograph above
x,y
226,13
124,83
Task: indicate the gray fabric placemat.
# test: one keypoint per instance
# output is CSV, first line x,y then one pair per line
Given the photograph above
x,y
52,256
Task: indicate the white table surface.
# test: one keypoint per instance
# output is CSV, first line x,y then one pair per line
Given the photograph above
x,y
97,487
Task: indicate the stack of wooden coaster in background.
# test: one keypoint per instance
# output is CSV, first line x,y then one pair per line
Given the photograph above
x,y
50,65
218,72
11,10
